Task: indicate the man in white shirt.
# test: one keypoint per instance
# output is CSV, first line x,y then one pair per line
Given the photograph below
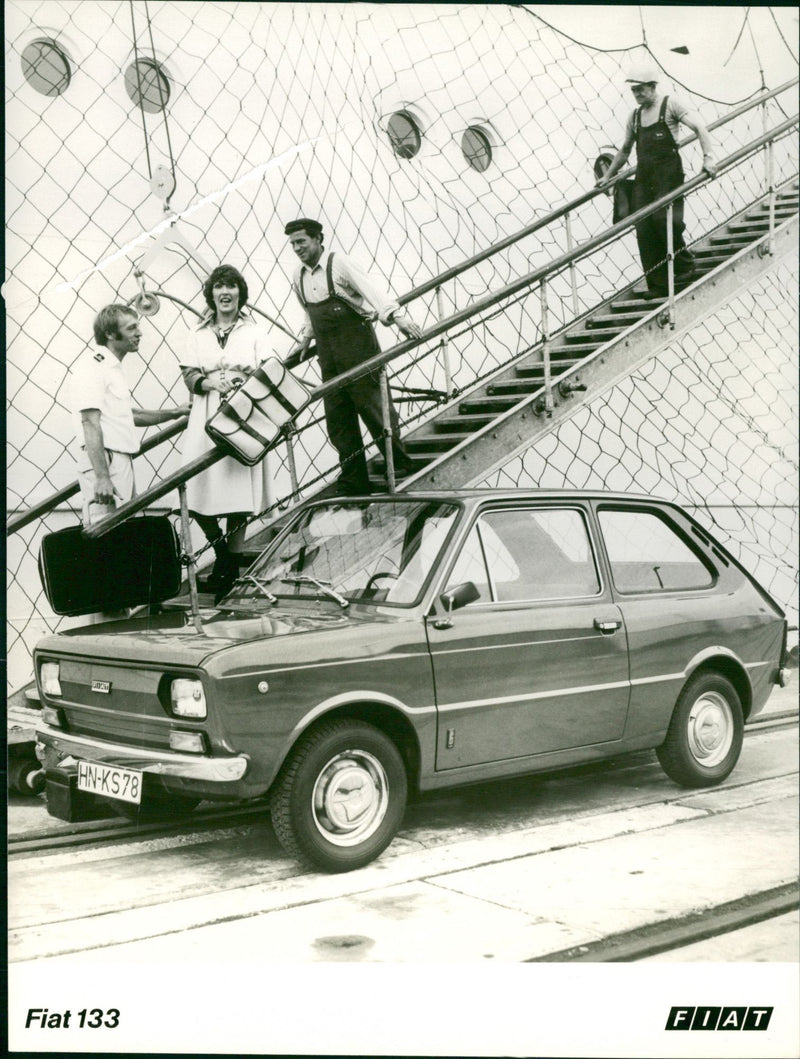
x,y
104,417
341,302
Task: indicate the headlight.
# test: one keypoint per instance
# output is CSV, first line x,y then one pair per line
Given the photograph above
x,y
50,674
187,698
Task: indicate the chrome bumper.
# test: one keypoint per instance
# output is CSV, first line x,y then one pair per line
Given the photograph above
x,y
160,763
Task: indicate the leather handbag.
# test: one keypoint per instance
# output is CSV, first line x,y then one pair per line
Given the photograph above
x,y
135,563
249,421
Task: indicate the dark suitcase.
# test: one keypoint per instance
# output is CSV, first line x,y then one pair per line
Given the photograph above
x,y
135,563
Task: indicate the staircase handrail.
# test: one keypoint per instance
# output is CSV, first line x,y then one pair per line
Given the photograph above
x,y
44,507
379,361
563,210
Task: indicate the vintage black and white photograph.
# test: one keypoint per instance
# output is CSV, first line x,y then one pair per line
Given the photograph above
x,y
402,528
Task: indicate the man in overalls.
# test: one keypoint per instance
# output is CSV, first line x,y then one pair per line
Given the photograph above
x,y
340,302
653,128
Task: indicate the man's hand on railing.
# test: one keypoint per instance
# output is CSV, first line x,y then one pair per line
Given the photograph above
x,y
709,167
302,352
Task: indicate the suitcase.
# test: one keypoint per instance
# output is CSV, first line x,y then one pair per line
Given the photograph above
x,y
135,563
249,422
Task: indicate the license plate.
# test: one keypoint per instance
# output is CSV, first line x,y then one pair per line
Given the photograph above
x,y
111,781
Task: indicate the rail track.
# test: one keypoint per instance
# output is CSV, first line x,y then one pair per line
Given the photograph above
x,y
113,829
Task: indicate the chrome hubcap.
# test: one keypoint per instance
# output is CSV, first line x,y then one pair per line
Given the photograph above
x,y
350,798
710,729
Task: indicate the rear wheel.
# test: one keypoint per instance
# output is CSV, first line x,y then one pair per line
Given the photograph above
x,y
705,734
340,798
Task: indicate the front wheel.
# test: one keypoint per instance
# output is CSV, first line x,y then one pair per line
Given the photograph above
x,y
705,734
340,798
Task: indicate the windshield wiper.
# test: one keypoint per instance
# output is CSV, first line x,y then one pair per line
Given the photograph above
x,y
323,586
259,582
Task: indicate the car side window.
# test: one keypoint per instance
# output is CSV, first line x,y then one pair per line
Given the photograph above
x,y
648,555
528,554
551,556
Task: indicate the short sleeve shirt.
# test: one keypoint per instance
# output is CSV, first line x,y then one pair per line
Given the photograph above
x,y
97,381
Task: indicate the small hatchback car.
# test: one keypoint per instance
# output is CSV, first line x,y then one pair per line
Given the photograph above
x,y
421,641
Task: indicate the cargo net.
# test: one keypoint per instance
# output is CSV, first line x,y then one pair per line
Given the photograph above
x,y
418,134
710,423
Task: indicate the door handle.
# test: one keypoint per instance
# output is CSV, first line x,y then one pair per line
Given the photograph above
x,y
607,626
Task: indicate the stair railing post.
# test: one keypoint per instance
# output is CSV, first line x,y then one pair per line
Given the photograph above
x,y
670,269
289,432
387,430
771,193
548,386
445,345
572,276
191,567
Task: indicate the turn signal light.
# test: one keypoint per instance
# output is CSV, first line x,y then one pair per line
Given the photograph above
x,y
189,742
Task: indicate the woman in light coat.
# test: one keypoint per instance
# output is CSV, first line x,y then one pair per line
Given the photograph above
x,y
221,351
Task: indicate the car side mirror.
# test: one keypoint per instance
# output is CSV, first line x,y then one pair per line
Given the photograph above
x,y
453,598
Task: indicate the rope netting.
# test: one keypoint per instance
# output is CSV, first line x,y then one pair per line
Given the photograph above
x,y
418,134
711,423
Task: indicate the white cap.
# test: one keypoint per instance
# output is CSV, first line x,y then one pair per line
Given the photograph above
x,y
642,74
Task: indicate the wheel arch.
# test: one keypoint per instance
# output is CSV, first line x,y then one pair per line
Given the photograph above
x,y
733,670
384,716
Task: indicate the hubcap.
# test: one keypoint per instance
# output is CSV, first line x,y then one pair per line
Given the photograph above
x,y
350,798
710,730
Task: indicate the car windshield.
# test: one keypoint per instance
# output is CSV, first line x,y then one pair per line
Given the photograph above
x,y
369,551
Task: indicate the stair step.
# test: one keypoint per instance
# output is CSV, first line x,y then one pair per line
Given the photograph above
x,y
601,335
621,318
457,423
488,404
435,443
518,386
562,363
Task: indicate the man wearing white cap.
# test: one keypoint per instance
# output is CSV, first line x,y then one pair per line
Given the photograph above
x,y
653,127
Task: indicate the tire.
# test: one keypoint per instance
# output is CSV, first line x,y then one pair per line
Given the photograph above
x,y
340,797
26,776
705,734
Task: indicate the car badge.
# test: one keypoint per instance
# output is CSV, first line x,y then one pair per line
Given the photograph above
x,y
103,686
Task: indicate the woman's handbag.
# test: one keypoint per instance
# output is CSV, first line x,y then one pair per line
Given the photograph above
x,y
250,419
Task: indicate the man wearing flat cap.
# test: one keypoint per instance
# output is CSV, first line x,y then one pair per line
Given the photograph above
x,y
341,301
653,128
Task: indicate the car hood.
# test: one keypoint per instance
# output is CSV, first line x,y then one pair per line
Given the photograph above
x,y
172,638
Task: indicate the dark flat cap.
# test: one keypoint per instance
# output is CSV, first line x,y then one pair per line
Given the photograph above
x,y
304,224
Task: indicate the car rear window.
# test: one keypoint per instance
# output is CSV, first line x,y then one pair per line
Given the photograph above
x,y
647,554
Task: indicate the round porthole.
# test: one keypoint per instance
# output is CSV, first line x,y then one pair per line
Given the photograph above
x,y
476,148
45,67
147,85
404,134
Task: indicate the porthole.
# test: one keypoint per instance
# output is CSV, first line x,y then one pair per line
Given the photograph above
x,y
147,85
476,148
404,133
45,67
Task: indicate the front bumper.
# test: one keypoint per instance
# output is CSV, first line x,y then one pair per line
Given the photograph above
x,y
52,742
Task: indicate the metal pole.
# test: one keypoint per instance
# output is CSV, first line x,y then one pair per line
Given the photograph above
x,y
771,186
186,545
548,387
445,345
572,279
387,430
290,432
670,269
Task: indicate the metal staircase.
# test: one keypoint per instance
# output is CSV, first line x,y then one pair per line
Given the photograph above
x,y
468,437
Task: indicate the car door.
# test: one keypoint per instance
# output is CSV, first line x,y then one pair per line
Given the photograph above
x,y
539,662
